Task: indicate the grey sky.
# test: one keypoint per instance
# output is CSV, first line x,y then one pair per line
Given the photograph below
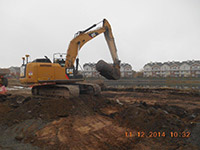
x,y
144,30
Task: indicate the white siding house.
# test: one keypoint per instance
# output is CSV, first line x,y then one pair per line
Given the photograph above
x,y
185,70
147,70
165,70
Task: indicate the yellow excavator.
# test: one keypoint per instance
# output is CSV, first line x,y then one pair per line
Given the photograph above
x,y
61,77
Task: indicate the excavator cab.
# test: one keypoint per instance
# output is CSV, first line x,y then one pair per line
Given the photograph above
x,y
72,72
59,58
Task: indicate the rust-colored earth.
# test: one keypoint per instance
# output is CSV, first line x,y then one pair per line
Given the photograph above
x,y
117,120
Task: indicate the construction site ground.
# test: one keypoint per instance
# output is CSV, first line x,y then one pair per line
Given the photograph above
x,y
118,119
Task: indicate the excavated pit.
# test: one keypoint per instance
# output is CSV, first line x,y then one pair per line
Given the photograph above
x,y
109,121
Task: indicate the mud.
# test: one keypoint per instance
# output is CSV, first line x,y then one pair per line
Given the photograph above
x,y
116,120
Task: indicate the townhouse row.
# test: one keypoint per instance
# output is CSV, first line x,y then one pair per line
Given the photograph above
x,y
172,69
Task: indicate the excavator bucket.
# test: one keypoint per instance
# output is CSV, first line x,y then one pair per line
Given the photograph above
x,y
108,71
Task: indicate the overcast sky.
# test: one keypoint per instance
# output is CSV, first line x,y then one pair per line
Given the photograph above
x,y
144,30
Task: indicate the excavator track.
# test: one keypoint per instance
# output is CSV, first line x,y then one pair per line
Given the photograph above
x,y
65,90
56,90
89,88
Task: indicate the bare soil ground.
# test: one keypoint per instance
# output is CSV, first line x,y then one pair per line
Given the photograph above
x,y
118,119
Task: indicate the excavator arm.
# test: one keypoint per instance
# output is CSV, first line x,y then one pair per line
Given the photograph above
x,y
111,42
82,37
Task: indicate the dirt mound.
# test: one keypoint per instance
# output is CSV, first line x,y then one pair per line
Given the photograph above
x,y
22,107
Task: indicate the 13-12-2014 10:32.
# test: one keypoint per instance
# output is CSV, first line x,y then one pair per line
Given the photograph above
x,y
155,134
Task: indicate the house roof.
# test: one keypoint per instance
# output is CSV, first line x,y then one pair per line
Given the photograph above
x,y
90,64
171,63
